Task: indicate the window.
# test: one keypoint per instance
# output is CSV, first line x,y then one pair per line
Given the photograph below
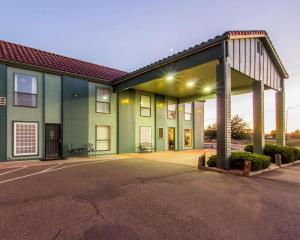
x,y
25,138
103,138
171,109
188,111
145,134
103,98
187,138
145,106
160,133
25,90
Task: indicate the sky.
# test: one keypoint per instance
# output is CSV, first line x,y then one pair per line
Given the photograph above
x,y
129,34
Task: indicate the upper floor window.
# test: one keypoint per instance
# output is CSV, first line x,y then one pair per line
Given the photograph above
x,y
171,109
188,111
25,90
145,106
103,99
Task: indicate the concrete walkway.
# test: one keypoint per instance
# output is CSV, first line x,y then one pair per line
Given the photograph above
x,y
186,157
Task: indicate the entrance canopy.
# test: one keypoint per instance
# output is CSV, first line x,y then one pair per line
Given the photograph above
x,y
191,74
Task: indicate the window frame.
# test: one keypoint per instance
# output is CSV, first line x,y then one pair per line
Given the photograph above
x,y
190,113
174,101
187,147
96,101
31,94
14,139
148,108
163,133
141,133
103,140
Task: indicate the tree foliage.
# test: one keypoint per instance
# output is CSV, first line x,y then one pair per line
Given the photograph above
x,y
239,129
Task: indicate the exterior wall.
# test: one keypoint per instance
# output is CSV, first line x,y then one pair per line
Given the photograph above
x,y
16,113
126,121
3,127
161,122
75,113
107,119
184,124
144,121
53,98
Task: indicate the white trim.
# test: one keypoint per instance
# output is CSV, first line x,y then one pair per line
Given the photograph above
x,y
15,139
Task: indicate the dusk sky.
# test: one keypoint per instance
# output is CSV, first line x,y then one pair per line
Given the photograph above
x,y
131,34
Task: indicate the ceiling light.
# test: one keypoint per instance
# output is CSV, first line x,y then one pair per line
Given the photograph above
x,y
207,89
190,84
170,77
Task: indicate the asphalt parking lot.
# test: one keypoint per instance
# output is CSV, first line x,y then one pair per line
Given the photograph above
x,y
144,199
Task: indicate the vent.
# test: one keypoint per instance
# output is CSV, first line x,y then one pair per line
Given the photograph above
x,y
2,101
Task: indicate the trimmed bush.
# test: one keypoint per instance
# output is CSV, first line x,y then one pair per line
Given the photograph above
x,y
212,161
258,161
288,154
249,148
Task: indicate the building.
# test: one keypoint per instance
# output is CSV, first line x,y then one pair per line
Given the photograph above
x,y
50,103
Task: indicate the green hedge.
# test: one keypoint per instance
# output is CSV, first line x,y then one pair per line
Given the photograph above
x,y
237,159
288,154
212,161
258,161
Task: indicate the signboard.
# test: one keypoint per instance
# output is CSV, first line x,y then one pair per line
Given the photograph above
x,y
2,101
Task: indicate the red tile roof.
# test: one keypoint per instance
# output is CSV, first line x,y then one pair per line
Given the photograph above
x,y
31,57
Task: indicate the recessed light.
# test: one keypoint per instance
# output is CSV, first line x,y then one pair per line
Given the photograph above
x,y
170,77
207,89
190,84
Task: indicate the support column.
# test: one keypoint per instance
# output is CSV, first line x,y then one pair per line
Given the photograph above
x,y
223,115
280,118
258,117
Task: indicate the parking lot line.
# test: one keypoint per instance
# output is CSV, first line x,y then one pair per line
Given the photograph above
x,y
15,170
53,169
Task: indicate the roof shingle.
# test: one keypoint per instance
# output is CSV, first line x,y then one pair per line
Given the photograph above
x,y
15,53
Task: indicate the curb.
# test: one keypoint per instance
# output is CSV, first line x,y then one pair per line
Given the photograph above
x,y
241,173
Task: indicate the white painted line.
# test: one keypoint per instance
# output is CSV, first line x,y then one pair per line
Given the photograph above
x,y
15,170
52,169
48,169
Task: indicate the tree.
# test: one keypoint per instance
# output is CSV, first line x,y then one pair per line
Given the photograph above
x,y
239,129
295,134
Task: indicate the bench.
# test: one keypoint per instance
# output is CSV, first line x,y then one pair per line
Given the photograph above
x,y
146,147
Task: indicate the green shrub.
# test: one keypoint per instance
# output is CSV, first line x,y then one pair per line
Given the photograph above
x,y
249,148
288,154
258,161
212,161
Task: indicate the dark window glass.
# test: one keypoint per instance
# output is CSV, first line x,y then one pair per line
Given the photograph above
x,y
25,90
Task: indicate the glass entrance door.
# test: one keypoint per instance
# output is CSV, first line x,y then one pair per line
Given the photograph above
x,y
171,139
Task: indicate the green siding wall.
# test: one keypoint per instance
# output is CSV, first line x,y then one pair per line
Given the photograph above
x,y
53,95
161,122
3,127
126,119
144,121
23,113
102,118
75,113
